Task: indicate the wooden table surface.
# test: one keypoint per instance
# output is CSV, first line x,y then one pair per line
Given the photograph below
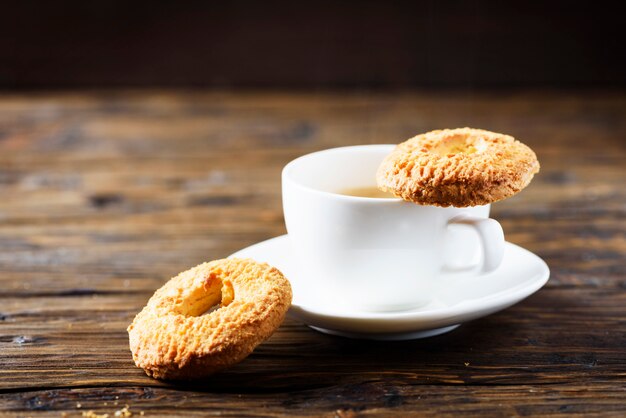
x,y
106,195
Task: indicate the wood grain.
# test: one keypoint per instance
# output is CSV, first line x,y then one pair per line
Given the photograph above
x,y
105,195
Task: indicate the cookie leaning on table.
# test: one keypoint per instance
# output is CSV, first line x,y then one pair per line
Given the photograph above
x,y
174,337
457,167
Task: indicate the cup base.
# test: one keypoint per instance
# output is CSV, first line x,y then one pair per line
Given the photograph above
x,y
400,336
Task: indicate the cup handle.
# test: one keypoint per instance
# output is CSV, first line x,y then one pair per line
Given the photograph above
x,y
491,239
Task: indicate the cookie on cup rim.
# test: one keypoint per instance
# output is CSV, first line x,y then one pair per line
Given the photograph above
x,y
457,167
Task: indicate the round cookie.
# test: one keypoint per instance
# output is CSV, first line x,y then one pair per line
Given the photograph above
x,y
457,167
174,337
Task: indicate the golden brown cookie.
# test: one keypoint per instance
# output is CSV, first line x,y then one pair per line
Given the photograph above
x,y
174,337
457,167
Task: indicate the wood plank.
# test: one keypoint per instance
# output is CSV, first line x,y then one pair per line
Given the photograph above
x,y
104,196
44,334
371,397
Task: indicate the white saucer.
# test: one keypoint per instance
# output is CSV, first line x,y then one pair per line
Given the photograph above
x,y
520,275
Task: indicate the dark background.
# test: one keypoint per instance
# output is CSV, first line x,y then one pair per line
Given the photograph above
x,y
312,45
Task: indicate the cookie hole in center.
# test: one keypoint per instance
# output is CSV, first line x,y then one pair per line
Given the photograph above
x,y
227,294
460,145
214,295
212,309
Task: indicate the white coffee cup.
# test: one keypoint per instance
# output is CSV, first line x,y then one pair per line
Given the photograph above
x,y
378,254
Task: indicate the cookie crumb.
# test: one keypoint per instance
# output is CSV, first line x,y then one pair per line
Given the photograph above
x,y
91,414
124,412
345,413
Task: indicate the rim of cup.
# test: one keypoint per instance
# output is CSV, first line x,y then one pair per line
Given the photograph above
x,y
287,173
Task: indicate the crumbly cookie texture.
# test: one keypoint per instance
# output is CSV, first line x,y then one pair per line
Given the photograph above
x,y
174,337
457,167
